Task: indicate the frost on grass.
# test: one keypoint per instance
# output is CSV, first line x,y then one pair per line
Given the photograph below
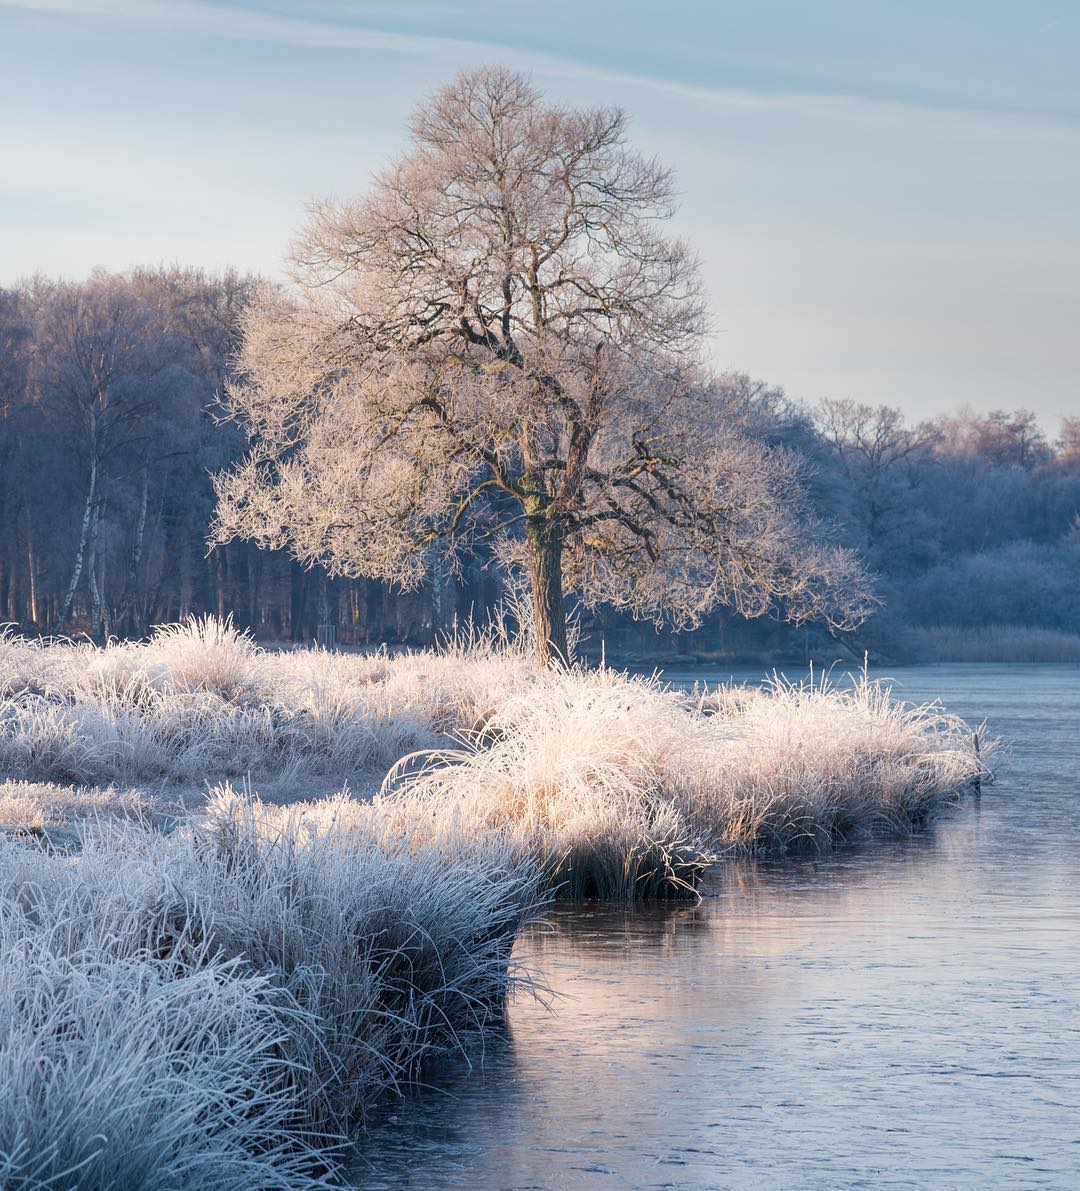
x,y
39,806
201,702
133,1071
616,786
626,789
217,1006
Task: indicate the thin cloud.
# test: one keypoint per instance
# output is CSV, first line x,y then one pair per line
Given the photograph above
x,y
251,25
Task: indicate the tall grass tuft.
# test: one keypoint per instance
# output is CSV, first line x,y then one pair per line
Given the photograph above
x,y
625,789
121,1066
222,1003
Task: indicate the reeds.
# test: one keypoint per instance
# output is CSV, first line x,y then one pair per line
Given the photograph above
x,y
993,643
626,789
618,787
220,1004
201,701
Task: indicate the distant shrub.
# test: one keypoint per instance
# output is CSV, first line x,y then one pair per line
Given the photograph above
x,y
1028,584
992,643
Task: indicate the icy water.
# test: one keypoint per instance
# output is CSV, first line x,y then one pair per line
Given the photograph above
x,y
896,1014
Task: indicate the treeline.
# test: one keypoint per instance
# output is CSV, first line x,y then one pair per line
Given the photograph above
x,y
970,520
110,431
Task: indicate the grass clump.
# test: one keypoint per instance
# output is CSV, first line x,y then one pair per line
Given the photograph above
x,y
627,789
121,1066
220,1005
201,701
813,764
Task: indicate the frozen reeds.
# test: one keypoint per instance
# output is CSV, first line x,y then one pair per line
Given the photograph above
x,y
35,806
814,763
214,1006
201,701
122,1069
625,789
619,787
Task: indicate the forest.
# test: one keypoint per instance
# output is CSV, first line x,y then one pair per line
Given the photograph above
x,y
112,427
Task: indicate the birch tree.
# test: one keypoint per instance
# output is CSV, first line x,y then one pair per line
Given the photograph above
x,y
500,339
95,371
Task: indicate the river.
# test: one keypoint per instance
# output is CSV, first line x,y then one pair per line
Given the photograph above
x,y
903,1013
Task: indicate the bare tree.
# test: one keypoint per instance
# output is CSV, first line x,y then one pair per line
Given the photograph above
x,y
500,340
877,452
1068,440
95,371
999,438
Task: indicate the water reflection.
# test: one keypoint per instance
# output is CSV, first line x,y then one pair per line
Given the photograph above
x,y
897,1014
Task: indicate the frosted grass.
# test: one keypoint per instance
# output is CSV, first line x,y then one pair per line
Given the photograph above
x,y
201,701
221,1004
616,786
626,789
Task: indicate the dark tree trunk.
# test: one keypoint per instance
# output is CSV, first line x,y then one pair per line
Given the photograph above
x,y
31,570
220,575
545,574
298,601
135,601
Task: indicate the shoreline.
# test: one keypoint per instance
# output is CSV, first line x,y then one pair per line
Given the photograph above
x,y
363,936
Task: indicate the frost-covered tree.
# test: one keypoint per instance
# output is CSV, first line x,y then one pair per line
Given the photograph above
x,y
500,340
878,456
93,369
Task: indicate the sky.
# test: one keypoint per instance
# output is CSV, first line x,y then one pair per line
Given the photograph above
x,y
885,194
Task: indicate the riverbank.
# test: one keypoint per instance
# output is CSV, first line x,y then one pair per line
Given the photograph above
x,y
295,952
897,1006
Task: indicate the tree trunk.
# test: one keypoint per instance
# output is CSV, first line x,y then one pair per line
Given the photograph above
x,y
254,569
30,569
545,575
76,570
135,600
97,619
220,561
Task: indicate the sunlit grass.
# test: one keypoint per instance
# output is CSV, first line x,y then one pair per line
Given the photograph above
x,y
215,998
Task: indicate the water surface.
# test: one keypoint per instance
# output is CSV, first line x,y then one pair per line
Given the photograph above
x,y
904,1013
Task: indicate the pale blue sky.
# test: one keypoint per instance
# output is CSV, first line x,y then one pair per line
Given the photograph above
x,y
886,195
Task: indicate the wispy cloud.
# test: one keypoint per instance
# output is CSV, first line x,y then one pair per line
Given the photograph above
x,y
249,24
